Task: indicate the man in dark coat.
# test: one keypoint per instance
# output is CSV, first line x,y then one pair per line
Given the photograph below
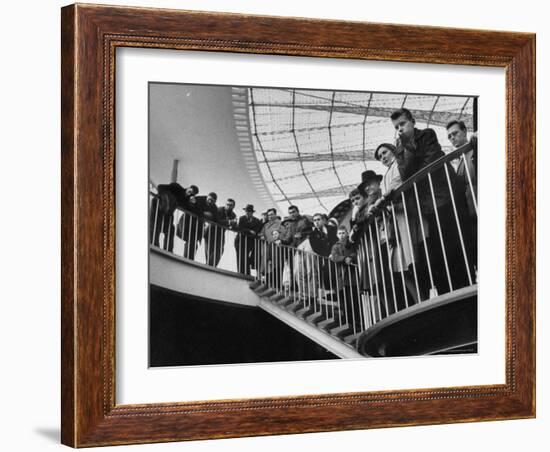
x,y
227,219
245,242
170,197
321,239
466,178
417,149
297,227
210,234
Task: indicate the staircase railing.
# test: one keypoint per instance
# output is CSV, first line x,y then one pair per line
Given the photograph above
x,y
418,242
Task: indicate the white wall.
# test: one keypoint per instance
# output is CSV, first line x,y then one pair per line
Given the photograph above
x,y
195,124
30,279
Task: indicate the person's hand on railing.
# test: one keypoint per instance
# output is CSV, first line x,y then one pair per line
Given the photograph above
x,y
348,260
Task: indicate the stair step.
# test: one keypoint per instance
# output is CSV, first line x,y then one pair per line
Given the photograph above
x,y
328,324
341,331
352,339
267,293
260,288
275,298
294,306
315,318
304,312
285,301
254,284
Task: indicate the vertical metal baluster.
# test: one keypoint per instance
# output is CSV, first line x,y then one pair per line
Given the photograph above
x,y
474,197
299,253
337,272
239,251
162,246
351,303
193,242
400,252
361,265
272,267
375,275
440,233
280,266
382,275
306,278
458,225
362,317
155,225
410,245
364,250
319,289
389,260
331,288
433,290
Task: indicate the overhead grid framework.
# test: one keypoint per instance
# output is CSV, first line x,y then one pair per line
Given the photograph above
x,y
313,145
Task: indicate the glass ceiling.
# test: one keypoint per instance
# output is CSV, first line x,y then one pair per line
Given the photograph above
x,y
312,146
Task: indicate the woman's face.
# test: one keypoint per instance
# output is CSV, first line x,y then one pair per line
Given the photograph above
x,y
386,156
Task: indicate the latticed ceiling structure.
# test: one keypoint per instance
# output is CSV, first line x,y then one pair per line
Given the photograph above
x,y
312,146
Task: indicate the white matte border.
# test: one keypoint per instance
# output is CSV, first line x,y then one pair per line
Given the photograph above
x,y
136,383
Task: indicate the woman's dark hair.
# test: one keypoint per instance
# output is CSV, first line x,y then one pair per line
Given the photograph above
x,y
389,146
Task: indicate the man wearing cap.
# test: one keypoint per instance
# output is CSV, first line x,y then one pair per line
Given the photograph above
x,y
245,242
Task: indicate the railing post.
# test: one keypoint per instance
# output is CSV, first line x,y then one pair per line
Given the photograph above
x,y
400,252
382,275
413,256
472,191
389,260
458,225
433,289
440,233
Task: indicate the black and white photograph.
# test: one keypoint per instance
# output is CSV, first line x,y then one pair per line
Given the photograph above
x,y
292,224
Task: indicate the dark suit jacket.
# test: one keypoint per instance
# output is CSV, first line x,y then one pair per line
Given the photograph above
x,y
209,211
320,242
412,156
249,227
171,196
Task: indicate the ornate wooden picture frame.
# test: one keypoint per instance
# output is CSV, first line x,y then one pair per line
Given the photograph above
x,y
90,37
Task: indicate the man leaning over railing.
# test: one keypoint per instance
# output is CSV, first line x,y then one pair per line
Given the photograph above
x,y
434,198
170,197
466,176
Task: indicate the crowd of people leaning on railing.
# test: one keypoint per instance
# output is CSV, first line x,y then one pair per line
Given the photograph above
x,y
412,231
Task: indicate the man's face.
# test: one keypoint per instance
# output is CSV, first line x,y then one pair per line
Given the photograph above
x,y
293,213
210,200
189,192
249,213
404,127
270,215
357,200
229,206
275,235
372,187
342,235
386,156
318,221
457,136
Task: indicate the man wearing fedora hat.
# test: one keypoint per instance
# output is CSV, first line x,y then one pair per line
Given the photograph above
x,y
245,242
370,186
